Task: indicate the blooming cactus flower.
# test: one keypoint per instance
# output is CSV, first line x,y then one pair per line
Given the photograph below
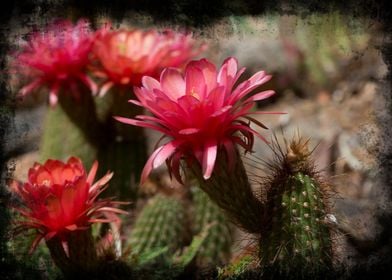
x,y
201,112
57,58
126,56
60,197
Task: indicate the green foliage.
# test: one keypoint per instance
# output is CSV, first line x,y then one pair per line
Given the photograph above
x,y
39,264
158,264
237,270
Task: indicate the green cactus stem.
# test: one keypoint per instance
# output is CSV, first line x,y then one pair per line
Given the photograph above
x,y
230,190
126,152
297,240
74,253
161,223
216,248
62,138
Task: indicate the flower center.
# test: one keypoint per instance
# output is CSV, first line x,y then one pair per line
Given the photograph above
x,y
195,94
46,183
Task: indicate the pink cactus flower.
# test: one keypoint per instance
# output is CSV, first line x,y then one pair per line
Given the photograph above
x,y
201,112
60,197
124,57
57,58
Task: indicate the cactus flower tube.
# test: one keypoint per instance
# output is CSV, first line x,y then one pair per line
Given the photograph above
x,y
57,58
59,201
205,116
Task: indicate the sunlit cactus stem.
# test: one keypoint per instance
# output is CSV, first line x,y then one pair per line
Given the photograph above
x,y
230,189
297,240
70,129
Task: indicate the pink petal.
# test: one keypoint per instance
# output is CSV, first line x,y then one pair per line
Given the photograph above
x,y
137,103
189,131
217,96
140,123
105,88
92,173
166,151
260,96
148,166
101,182
30,87
208,70
150,83
209,158
172,83
195,83
247,86
89,83
227,74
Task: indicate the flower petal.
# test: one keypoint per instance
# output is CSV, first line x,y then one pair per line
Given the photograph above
x,y
209,158
172,83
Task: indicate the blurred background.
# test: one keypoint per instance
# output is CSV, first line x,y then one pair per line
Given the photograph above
x,y
327,71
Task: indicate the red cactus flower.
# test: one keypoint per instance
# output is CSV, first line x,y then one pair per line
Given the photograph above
x,y
201,112
57,58
60,197
126,56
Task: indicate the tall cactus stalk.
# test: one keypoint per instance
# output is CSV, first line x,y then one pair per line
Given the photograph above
x,y
63,134
296,241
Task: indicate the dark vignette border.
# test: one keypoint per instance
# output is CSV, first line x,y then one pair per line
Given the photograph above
x,y
198,13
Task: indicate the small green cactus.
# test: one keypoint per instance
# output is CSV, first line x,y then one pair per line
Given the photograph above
x,y
217,246
161,223
297,240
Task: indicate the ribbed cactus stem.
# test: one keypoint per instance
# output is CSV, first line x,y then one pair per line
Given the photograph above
x,y
81,110
161,223
230,189
126,152
62,138
297,238
74,253
216,247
